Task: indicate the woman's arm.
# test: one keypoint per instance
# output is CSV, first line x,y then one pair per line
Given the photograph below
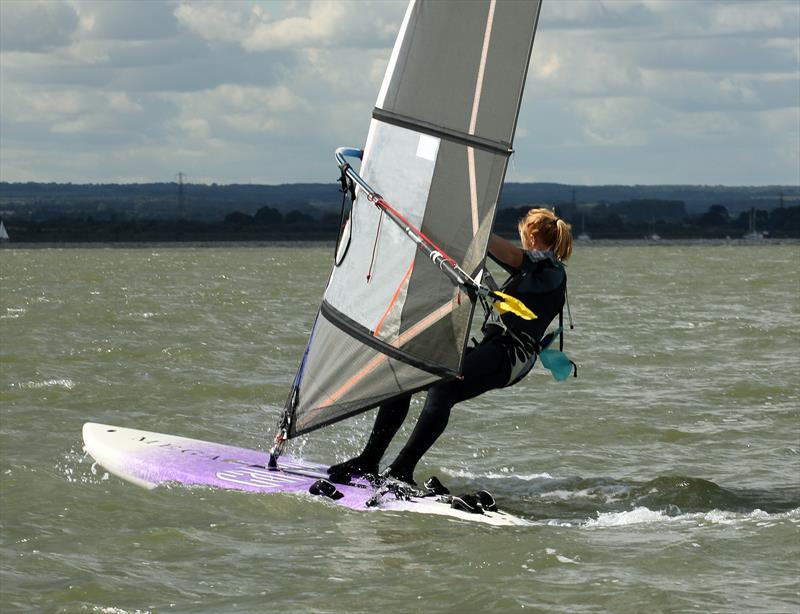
x,y
505,251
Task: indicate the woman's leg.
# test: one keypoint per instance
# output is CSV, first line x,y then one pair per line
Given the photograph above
x,y
485,368
388,421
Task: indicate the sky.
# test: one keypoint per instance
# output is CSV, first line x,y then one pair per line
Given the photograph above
x,y
618,91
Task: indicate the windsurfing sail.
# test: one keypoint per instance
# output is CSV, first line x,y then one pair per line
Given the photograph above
x,y
397,308
3,232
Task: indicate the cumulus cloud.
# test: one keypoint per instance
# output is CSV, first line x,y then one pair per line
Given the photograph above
x,y
629,91
36,26
217,22
125,20
35,104
321,27
315,24
740,18
652,79
252,112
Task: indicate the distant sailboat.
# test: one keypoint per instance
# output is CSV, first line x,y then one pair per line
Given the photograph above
x,y
752,233
583,236
3,232
653,235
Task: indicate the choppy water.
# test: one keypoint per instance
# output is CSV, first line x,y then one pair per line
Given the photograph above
x,y
665,478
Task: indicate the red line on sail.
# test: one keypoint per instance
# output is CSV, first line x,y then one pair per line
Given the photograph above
x,y
382,203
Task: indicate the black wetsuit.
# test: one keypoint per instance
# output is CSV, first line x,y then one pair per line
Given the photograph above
x,y
541,284
501,359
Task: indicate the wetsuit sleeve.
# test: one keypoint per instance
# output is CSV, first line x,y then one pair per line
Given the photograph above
x,y
507,268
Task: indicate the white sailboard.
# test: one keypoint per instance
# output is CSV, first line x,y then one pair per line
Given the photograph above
x,y
150,459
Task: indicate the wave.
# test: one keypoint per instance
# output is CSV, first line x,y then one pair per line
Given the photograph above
x,y
643,515
78,467
504,473
604,501
63,382
12,313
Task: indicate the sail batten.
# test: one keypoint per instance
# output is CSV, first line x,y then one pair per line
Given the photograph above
x,y
442,132
397,309
391,348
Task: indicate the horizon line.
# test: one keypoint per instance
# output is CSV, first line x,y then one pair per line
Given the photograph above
x,y
334,182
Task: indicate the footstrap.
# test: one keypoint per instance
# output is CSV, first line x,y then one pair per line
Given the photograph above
x,y
324,488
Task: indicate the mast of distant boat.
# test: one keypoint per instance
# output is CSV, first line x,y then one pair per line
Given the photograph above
x,y
583,236
752,233
652,235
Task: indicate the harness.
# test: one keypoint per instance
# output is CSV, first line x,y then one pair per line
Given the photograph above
x,y
521,347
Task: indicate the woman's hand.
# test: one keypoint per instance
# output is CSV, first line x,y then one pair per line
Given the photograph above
x,y
505,251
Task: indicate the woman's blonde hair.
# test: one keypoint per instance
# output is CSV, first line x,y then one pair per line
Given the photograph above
x,y
551,232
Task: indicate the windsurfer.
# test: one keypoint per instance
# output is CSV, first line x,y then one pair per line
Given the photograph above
x,y
504,356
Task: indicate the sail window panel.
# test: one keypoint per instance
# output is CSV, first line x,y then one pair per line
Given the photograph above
x,y
363,283
369,282
486,172
462,204
465,188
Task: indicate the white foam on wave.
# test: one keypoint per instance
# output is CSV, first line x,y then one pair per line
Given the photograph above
x,y
145,314
644,515
640,515
604,495
63,382
80,468
760,517
13,313
560,557
504,473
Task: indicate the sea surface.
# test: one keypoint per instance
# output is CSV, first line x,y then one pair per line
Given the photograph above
x,y
665,478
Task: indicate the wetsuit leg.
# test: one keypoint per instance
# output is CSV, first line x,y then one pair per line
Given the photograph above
x,y
485,368
388,421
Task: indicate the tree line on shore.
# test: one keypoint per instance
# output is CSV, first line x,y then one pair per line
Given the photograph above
x,y
629,220
155,212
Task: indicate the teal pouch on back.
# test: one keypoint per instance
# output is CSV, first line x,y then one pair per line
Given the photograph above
x,y
555,361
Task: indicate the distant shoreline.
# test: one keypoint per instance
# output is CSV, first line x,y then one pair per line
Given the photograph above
x,y
169,212
156,231
329,243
